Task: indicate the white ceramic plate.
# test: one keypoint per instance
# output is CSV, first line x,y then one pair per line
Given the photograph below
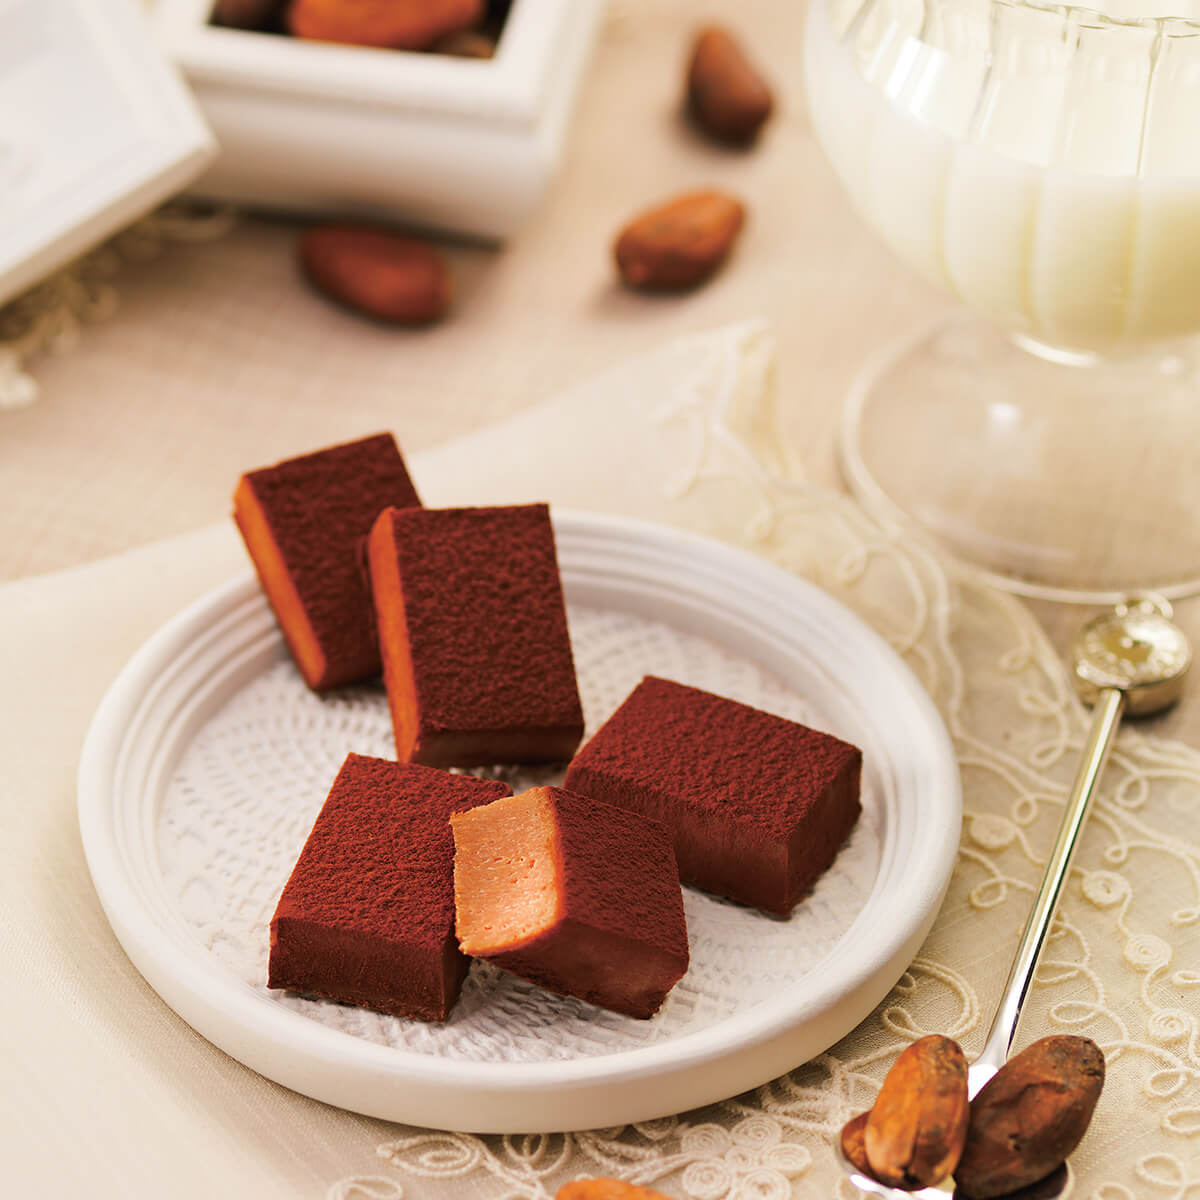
x,y
209,759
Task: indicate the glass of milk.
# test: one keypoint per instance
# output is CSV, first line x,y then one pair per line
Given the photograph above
x,y
1042,164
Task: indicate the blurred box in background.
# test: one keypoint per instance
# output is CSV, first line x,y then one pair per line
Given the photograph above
x,y
97,127
457,144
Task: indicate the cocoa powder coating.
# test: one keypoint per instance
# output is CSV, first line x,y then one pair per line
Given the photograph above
x,y
487,658
757,806
318,508
367,916
619,874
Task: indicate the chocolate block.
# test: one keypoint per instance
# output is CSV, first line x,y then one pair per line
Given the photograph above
x,y
303,522
473,632
367,916
579,897
757,806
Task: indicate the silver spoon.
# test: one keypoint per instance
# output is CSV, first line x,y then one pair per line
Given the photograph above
x,y
1130,660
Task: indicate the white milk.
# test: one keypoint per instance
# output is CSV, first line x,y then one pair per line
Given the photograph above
x,y
1056,190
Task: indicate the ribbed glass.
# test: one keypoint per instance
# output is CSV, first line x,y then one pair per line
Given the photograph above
x,y
1042,162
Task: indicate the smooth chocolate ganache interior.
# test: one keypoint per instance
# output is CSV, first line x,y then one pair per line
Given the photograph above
x,y
577,896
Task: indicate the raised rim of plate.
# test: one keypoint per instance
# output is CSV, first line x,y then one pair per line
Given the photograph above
x,y
646,567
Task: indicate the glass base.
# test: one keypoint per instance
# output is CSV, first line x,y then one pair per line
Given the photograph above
x,y
1059,476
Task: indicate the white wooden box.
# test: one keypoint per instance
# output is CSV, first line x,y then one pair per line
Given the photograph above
x,y
464,145
95,129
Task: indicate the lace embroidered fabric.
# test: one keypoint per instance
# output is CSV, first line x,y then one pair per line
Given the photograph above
x,y
1122,964
50,318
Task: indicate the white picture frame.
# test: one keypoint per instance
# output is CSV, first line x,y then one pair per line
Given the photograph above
x,y
96,128
464,145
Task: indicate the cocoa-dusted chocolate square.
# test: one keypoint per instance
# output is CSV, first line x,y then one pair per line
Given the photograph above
x,y
473,634
579,897
367,916
304,521
757,806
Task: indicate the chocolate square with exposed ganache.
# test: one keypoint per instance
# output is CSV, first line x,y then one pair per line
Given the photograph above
x,y
367,916
304,521
757,805
473,633
580,897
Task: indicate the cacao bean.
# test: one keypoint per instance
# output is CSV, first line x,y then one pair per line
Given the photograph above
x,y
246,14
679,244
606,1189
918,1124
1050,1188
853,1145
400,24
727,96
1033,1112
382,274
466,43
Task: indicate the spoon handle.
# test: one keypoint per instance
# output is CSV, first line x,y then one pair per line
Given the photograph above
x,y
1110,703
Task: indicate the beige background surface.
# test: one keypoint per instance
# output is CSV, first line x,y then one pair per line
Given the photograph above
x,y
219,358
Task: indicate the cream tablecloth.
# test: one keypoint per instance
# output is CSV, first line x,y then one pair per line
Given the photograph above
x,y
215,358
107,1094
215,355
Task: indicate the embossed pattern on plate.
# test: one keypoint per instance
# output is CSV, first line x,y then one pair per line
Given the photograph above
x,y
209,759
238,808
